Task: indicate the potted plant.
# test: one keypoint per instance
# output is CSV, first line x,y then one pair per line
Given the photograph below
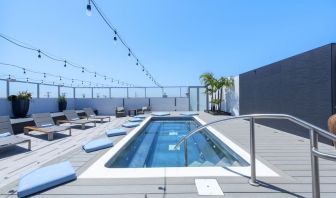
x,y
62,103
20,104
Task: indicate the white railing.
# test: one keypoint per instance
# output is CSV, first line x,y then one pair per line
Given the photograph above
x,y
314,152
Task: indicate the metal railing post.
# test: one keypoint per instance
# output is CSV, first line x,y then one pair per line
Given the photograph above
x,y
38,90
74,92
253,179
7,88
58,91
186,153
314,164
314,133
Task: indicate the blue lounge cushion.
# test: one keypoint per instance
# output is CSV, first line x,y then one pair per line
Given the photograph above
x,y
130,124
189,113
46,177
115,132
5,134
140,116
160,113
135,120
97,144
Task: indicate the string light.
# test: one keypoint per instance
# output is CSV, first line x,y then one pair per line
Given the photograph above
x,y
95,74
108,23
24,71
88,9
115,36
61,78
52,57
39,53
27,79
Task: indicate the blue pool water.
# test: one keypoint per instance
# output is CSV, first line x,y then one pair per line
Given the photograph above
x,y
154,147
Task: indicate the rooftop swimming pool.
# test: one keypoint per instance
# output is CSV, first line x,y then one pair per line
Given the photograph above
x,y
148,151
154,146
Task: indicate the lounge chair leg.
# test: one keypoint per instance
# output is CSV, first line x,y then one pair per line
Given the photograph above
x,y
95,123
26,131
83,126
50,136
70,131
29,145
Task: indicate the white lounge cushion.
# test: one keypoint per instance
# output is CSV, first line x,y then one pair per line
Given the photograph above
x,y
130,124
46,177
116,132
97,144
160,113
135,120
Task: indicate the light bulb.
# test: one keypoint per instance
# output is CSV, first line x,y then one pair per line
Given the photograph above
x,y
88,9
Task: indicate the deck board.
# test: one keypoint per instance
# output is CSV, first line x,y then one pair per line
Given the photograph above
x,y
285,152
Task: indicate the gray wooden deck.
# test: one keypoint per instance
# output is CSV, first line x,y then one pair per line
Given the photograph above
x,y
285,153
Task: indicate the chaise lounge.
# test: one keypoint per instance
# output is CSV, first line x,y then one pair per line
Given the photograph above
x,y
120,112
143,110
7,137
45,124
73,118
91,115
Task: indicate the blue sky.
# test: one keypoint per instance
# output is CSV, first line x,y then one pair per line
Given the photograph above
x,y
176,40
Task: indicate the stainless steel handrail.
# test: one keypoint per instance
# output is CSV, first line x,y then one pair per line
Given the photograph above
x,y
314,152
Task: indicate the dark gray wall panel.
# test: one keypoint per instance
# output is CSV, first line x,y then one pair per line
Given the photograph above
x,y
299,86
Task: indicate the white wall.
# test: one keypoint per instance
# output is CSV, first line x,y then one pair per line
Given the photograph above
x,y
136,103
231,98
36,106
105,106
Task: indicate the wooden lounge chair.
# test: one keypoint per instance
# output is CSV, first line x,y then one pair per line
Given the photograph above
x,y
7,137
120,112
143,110
45,124
73,118
332,126
91,115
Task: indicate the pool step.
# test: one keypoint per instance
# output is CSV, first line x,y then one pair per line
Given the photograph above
x,y
141,154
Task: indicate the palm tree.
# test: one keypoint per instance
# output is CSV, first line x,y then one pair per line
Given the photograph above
x,y
209,81
222,83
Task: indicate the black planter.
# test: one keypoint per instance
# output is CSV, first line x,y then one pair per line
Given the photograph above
x,y
20,108
62,105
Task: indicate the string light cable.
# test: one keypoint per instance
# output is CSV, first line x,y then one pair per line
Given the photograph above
x,y
60,77
66,62
118,37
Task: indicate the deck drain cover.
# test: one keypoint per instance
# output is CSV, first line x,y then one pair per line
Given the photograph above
x,y
208,187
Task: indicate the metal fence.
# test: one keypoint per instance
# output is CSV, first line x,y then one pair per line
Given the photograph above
x,y
45,90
